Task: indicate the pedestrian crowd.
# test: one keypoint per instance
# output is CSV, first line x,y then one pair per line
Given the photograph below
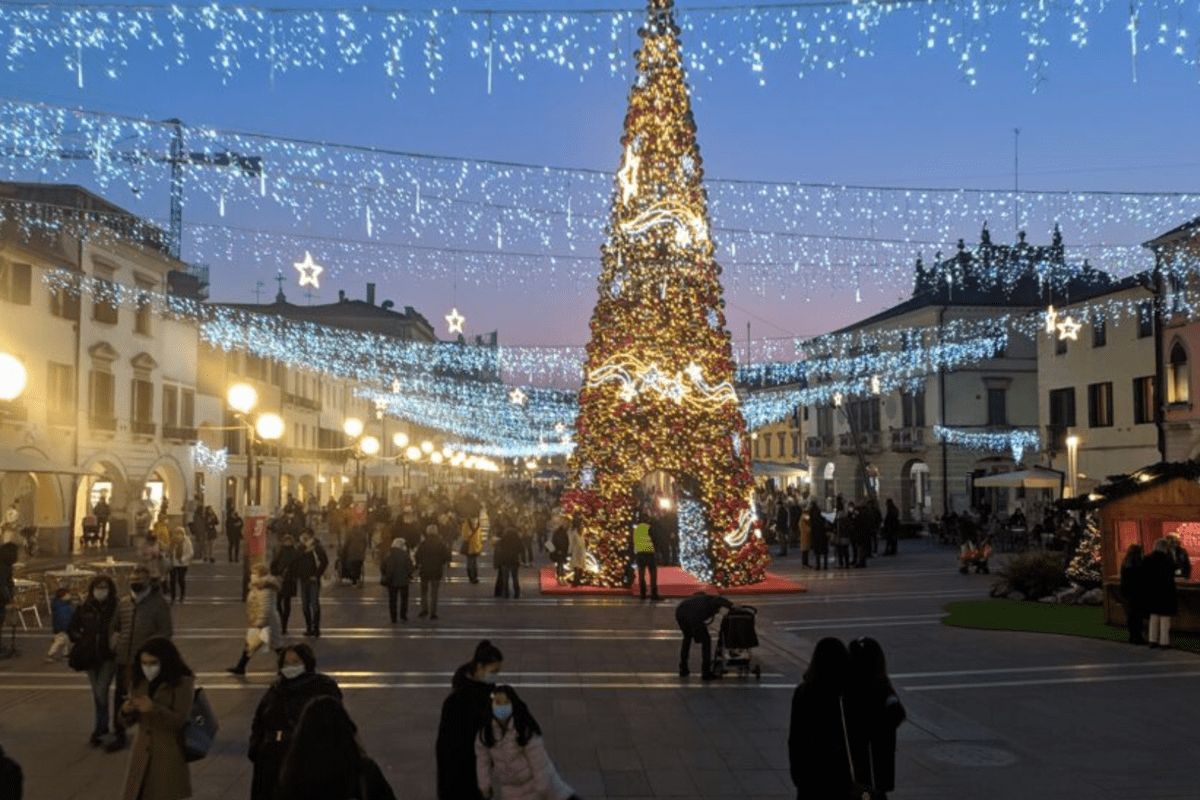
x,y
793,518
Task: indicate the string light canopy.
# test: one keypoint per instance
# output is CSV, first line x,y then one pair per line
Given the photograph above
x,y
787,40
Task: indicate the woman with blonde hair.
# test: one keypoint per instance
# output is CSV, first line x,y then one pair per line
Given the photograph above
x,y
179,555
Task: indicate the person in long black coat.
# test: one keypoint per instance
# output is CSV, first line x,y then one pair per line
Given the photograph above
x,y
891,528
463,711
1133,593
817,754
281,568
873,712
819,536
1158,570
278,714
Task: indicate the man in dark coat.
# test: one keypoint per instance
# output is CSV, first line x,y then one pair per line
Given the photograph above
x,y
508,562
693,616
307,569
354,553
432,557
1158,576
141,615
891,528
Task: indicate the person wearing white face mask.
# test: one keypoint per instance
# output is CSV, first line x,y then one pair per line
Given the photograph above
x,y
161,688
511,762
141,615
278,713
91,649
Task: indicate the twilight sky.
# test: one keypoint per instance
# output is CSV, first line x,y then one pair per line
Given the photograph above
x,y
898,118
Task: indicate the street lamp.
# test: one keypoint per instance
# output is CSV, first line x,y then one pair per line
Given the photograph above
x,y
13,377
242,398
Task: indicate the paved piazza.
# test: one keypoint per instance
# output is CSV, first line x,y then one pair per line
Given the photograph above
x,y
990,715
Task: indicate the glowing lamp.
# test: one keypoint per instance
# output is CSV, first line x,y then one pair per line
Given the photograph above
x,y
12,377
353,427
241,397
413,452
400,439
269,426
369,445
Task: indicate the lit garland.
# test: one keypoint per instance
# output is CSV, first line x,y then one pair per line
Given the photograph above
x,y
658,319
1014,441
211,461
499,222
798,39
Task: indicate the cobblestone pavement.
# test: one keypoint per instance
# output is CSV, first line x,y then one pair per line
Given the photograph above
x,y
991,714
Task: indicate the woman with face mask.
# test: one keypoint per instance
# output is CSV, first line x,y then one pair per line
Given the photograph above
x,y
278,714
468,702
91,649
161,688
511,762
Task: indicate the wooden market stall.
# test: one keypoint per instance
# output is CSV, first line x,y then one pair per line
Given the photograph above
x,y
1144,507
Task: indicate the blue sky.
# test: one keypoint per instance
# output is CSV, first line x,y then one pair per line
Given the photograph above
x,y
898,118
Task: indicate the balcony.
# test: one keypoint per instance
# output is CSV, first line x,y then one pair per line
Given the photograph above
x,y
179,433
142,428
908,440
818,445
871,441
846,444
100,423
301,402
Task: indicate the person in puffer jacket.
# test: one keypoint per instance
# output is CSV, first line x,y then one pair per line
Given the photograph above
x,y
511,762
262,616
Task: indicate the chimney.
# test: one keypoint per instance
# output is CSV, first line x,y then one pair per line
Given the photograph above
x,y
371,293
341,295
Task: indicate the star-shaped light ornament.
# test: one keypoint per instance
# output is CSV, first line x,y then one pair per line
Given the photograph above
x,y
517,397
628,392
695,372
1068,329
395,386
310,271
628,174
455,321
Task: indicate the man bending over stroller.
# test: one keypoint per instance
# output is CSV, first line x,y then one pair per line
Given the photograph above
x,y
693,615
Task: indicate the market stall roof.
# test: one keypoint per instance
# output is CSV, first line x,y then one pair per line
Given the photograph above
x,y
23,461
1120,486
1030,478
776,468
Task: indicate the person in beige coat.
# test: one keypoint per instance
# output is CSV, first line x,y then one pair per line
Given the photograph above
x,y
262,615
161,688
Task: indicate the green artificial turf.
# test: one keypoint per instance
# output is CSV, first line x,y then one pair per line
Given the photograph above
x,y
999,614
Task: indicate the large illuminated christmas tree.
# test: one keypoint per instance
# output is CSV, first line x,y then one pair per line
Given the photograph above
x,y
658,389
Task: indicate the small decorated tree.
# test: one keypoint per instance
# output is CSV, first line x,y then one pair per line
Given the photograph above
x,y
1084,568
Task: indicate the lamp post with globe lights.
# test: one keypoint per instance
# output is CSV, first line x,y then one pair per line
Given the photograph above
x,y
242,398
13,377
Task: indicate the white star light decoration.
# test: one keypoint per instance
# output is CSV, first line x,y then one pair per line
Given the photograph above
x,y
309,270
455,321
517,397
1068,329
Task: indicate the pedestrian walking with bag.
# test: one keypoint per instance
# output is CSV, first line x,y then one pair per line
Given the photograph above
x,y
262,617
91,649
326,761
395,575
467,704
874,712
818,745
161,689
141,615
278,715
511,762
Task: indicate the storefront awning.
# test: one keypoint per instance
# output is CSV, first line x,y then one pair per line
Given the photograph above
x,y
22,461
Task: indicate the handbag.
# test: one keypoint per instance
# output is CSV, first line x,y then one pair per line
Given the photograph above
x,y
201,728
858,791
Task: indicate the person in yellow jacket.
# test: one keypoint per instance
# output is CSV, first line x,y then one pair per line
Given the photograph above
x,y
472,533
643,553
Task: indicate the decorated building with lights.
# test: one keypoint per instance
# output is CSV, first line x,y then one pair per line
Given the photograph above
x,y
658,411
110,405
919,434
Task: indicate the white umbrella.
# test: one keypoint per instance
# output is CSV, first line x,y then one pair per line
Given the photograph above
x,y
1029,478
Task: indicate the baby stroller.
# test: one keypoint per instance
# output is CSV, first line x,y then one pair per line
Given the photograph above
x,y
972,555
735,641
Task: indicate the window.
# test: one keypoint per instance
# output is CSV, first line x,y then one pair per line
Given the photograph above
x,y
141,411
782,450
1062,416
1178,375
796,444
16,282
825,422
102,406
1099,331
912,408
1143,400
1060,345
60,392
170,406
1100,405
104,303
143,314
864,415
65,302
755,446
187,408
1145,319
766,440
997,406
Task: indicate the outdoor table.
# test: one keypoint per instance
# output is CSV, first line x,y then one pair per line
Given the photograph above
x,y
119,571
76,580
28,595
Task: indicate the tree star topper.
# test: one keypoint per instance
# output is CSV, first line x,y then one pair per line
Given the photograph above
x,y
455,321
309,271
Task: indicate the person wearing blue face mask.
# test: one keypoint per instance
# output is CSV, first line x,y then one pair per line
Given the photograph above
x,y
511,762
467,703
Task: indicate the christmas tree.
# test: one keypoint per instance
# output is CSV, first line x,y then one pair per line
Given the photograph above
x,y
1084,568
658,389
